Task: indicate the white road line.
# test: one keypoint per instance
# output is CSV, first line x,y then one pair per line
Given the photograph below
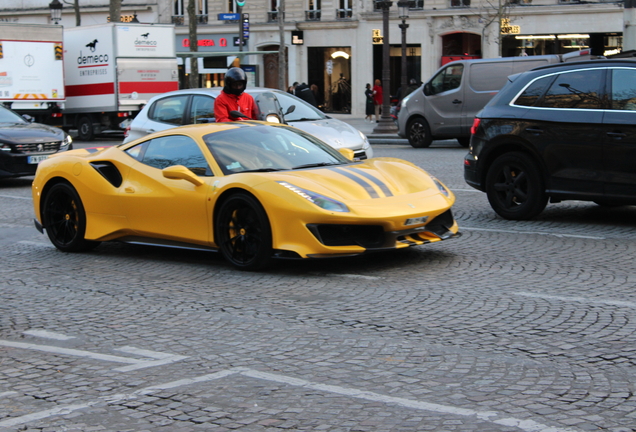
x,y
36,243
531,233
353,276
487,416
16,197
162,358
8,393
618,303
48,335
466,190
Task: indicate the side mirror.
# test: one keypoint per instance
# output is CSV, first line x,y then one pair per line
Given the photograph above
x,y
347,152
427,89
28,118
179,172
290,109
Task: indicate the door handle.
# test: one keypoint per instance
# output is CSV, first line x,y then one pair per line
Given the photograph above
x,y
534,131
616,135
457,101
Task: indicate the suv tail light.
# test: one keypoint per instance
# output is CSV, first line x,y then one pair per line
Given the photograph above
x,y
475,125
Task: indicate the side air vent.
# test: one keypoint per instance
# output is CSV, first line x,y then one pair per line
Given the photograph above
x,y
109,171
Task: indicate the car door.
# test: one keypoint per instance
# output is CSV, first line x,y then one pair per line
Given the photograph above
x,y
443,100
201,110
563,125
619,125
167,208
166,113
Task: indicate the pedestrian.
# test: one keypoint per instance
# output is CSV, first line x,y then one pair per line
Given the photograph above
x,y
377,99
319,99
304,92
234,98
292,88
369,109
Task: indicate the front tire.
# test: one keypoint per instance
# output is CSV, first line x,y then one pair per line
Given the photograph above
x,y
419,133
65,219
85,129
515,187
243,233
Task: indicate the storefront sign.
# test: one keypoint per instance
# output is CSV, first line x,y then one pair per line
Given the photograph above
x,y
206,42
506,28
377,37
297,37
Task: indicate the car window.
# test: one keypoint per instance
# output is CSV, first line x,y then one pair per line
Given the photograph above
x,y
202,110
577,89
7,116
303,110
624,89
448,78
534,91
169,110
268,148
171,150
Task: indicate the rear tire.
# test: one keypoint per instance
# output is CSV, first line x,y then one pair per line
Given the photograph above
x,y
85,129
515,187
243,233
419,133
65,219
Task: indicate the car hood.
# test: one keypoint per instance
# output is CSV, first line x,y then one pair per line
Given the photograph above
x,y
20,133
336,133
372,179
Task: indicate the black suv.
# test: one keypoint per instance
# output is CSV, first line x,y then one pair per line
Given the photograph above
x,y
560,132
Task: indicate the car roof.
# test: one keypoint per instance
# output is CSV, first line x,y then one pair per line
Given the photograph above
x,y
214,91
588,63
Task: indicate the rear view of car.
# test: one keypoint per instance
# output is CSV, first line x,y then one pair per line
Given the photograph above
x,y
561,132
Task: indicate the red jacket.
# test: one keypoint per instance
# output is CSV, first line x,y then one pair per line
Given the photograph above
x,y
377,95
226,102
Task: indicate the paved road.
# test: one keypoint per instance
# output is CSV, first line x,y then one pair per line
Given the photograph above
x,y
515,326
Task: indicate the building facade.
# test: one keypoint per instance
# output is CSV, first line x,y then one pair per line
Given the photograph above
x,y
337,44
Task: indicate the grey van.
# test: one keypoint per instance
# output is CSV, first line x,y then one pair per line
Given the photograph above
x,y
444,107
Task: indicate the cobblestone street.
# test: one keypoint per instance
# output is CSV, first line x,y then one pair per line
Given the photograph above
x,y
514,326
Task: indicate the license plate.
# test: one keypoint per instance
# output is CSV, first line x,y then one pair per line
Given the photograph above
x,y
36,159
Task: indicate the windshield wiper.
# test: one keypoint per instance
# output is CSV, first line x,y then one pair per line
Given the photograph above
x,y
318,164
261,170
301,119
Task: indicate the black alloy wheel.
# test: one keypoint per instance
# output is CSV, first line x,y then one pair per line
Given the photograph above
x,y
515,187
243,232
85,128
65,219
419,133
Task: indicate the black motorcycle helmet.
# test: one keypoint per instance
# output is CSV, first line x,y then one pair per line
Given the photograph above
x,y
235,81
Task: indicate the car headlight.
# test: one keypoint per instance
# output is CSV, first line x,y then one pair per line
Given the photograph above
x,y
321,201
440,186
66,143
365,141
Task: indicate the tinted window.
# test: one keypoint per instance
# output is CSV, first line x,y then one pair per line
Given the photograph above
x,y
448,78
202,110
578,89
173,150
169,110
624,89
534,91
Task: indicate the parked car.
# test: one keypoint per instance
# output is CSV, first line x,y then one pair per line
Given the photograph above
x,y
192,106
253,192
444,106
24,144
560,132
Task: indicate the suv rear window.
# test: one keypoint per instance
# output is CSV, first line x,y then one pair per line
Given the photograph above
x,y
577,89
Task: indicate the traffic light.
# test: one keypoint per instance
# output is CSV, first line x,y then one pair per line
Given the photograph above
x,y
240,3
58,52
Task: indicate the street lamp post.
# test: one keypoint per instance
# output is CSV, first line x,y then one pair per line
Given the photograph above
x,y
385,124
403,6
56,11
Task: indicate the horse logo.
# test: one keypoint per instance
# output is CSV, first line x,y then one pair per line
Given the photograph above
x,y
145,35
92,45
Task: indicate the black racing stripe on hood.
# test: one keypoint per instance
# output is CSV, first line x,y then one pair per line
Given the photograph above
x,y
383,187
372,193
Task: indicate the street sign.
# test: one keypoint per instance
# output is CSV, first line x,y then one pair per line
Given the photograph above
x,y
377,38
246,26
229,17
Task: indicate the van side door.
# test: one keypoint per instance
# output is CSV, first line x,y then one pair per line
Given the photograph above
x,y
443,101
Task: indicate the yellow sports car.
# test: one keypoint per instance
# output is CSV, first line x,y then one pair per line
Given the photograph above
x,y
252,190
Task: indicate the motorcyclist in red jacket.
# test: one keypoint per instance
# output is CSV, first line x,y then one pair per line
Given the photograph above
x,y
234,98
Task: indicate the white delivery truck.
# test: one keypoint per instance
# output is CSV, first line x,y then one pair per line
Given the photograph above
x,y
112,70
31,70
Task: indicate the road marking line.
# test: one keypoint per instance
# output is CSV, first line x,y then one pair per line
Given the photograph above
x,y
135,364
8,393
532,233
36,243
525,425
48,335
16,197
466,190
353,276
619,303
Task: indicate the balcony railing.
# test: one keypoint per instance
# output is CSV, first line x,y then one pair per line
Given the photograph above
x,y
202,19
312,15
272,16
344,14
460,3
178,20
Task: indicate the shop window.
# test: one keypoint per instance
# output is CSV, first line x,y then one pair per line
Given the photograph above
x,y
313,11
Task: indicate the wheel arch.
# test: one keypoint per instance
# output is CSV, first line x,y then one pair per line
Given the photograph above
x,y
224,197
46,189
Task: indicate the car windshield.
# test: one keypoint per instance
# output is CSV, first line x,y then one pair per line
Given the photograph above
x,y
269,148
7,116
303,110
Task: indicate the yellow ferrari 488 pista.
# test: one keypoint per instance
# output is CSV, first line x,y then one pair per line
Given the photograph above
x,y
251,190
